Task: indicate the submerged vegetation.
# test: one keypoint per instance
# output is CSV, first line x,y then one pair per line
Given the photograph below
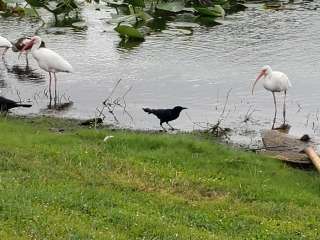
x,y
29,7
134,18
62,181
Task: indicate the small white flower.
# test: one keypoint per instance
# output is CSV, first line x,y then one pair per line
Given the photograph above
x,y
107,137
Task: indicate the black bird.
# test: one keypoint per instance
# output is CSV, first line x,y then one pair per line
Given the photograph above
x,y
165,115
6,104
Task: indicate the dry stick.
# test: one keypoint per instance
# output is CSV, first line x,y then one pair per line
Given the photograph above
x,y
299,107
111,104
216,129
18,94
248,114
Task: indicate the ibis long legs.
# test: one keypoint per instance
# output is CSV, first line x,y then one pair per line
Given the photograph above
x,y
284,107
275,109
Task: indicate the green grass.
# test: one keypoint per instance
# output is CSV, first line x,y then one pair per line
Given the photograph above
x,y
72,185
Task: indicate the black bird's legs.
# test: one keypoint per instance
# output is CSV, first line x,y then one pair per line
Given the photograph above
x,y
163,127
172,128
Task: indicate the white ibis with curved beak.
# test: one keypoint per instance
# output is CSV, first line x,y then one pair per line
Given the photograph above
x,y
274,81
4,43
48,60
19,45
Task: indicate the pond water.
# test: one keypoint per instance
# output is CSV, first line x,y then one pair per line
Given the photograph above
x,y
195,71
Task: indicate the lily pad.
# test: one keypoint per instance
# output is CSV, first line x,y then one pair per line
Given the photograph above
x,y
36,3
137,3
80,25
236,8
183,24
143,15
207,21
128,31
131,19
215,11
116,3
171,7
30,12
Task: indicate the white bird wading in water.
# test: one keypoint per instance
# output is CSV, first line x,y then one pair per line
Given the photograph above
x,y
4,43
48,60
274,81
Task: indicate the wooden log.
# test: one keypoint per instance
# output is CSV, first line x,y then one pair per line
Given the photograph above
x,y
285,147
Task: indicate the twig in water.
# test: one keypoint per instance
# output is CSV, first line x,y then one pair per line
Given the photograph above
x,y
18,94
110,105
248,115
299,107
216,129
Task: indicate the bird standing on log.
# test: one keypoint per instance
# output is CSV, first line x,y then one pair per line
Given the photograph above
x,y
48,60
165,115
274,81
4,43
6,104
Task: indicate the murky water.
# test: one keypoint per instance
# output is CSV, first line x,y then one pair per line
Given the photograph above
x,y
195,71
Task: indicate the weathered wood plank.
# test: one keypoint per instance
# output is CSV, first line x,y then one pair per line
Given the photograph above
x,y
285,147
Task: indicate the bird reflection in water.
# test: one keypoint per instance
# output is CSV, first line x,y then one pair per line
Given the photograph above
x,y
128,45
25,73
3,83
58,103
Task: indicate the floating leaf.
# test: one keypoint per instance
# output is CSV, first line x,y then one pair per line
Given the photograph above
x,y
80,25
215,11
183,24
189,10
131,19
136,3
143,15
207,21
128,31
30,12
171,7
116,3
236,8
36,3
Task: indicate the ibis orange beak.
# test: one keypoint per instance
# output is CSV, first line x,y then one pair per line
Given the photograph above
x,y
262,73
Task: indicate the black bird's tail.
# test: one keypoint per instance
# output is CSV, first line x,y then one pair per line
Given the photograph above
x,y
148,110
24,105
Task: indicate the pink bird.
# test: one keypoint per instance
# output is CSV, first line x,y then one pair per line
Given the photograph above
x,y
20,44
48,60
274,81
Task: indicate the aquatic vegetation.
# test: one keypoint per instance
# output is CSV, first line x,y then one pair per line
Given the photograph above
x,y
30,7
137,13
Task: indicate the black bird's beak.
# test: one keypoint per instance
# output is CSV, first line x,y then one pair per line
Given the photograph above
x,y
184,108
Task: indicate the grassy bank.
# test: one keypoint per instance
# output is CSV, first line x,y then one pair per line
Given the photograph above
x,y
73,185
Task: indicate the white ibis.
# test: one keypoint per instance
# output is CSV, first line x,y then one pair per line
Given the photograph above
x,y
4,43
48,60
19,45
274,81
